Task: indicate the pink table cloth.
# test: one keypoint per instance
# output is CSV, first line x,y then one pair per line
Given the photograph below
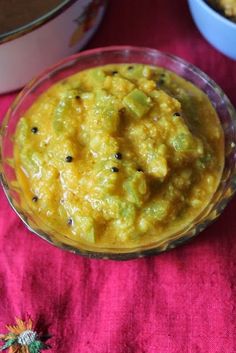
x,y
183,301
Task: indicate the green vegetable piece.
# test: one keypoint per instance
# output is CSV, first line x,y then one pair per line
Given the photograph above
x,y
132,193
96,77
31,161
189,105
23,131
98,74
207,158
88,229
63,110
157,210
105,109
135,188
134,71
127,213
205,161
58,123
182,142
85,228
138,103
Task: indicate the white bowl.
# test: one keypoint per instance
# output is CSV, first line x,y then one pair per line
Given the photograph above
x,y
218,30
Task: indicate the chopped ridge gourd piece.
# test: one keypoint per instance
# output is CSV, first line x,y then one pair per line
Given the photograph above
x,y
138,103
22,131
96,77
31,160
59,116
134,72
136,187
84,226
158,210
104,113
182,142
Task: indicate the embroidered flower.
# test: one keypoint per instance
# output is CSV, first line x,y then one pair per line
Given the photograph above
x,y
22,338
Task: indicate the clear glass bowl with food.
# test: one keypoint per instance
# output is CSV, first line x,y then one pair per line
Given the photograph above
x,y
119,152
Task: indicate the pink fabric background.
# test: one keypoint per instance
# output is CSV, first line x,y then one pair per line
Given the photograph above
x,y
183,301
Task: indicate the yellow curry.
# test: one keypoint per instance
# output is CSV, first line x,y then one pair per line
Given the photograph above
x,y
119,156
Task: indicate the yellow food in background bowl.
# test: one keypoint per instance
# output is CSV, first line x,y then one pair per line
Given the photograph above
x,y
227,7
119,152
119,155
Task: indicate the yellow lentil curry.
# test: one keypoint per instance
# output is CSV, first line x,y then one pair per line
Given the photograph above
x,y
119,155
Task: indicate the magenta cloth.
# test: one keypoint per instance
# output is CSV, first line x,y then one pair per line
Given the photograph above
x,y
183,301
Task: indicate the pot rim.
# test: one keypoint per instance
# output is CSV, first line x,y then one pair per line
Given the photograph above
x,y
39,21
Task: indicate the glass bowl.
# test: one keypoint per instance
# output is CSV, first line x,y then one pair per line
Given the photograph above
x,y
102,56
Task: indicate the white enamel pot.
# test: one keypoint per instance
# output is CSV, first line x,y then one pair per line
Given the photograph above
x,y
26,51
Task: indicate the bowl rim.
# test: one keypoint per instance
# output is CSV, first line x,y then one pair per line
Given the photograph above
x,y
135,252
216,14
39,21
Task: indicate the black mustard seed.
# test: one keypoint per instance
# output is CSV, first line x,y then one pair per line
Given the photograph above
x,y
118,155
69,221
34,130
69,159
115,169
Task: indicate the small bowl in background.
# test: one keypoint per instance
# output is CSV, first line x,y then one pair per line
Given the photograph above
x,y
27,50
218,30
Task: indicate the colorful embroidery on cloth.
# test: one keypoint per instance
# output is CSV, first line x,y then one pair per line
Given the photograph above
x,y
22,338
